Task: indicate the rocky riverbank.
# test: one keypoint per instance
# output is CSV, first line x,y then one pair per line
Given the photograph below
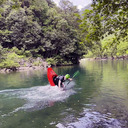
x,y
25,65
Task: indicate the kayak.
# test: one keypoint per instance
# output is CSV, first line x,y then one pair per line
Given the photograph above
x,y
51,74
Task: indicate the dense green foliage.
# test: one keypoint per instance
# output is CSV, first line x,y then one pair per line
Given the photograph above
x,y
60,35
105,28
42,29
10,58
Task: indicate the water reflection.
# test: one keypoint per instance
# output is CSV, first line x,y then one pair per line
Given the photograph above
x,y
98,98
23,79
111,92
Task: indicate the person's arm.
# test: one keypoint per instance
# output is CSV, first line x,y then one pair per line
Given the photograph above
x,y
70,79
63,85
59,84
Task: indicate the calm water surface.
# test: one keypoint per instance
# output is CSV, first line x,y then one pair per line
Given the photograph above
x,y
96,98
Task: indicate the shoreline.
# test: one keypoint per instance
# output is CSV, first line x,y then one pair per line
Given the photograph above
x,y
108,58
45,65
29,66
22,69
103,59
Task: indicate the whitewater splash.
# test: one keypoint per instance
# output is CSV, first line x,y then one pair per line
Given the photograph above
x,y
38,97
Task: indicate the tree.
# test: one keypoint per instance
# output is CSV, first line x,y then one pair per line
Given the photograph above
x,y
115,15
61,35
42,29
92,30
107,18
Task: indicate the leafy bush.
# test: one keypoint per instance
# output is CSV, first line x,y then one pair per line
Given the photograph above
x,y
36,63
51,61
10,61
89,55
27,53
57,61
9,64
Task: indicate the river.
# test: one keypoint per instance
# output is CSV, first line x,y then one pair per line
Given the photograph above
x,y
96,98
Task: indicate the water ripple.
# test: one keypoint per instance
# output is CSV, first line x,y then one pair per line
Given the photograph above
x,y
91,119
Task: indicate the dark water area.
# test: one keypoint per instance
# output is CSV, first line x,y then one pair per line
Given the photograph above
x,y
96,98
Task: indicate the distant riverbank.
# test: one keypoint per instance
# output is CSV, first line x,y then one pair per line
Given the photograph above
x,y
31,64
36,64
109,58
20,69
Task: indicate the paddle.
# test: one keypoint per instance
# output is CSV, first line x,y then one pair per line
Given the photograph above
x,y
74,75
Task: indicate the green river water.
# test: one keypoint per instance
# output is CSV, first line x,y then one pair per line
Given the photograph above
x,y
96,98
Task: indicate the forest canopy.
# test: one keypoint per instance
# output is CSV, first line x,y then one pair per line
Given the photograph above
x,y
105,28
42,28
62,34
